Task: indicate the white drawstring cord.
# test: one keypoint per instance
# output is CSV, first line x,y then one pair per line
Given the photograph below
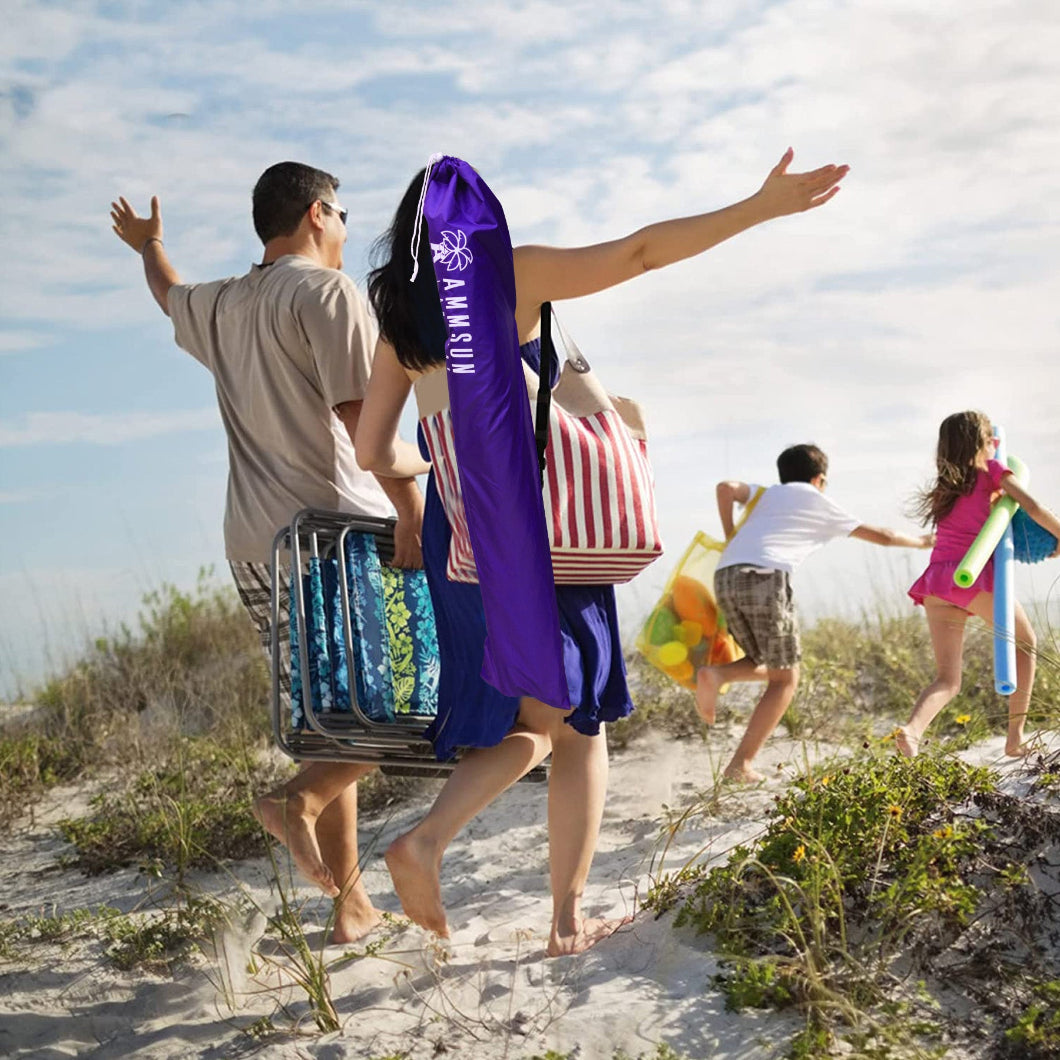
x,y
418,226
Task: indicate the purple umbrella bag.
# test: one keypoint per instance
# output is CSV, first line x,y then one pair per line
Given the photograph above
x,y
493,435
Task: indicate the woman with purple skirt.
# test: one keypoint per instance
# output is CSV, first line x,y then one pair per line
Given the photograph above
x,y
501,737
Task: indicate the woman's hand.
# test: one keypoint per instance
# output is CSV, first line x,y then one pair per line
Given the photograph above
x,y
784,192
130,228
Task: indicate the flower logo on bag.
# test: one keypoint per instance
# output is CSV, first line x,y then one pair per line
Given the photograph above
x,y
452,252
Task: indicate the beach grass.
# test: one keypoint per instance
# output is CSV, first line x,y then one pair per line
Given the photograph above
x,y
869,872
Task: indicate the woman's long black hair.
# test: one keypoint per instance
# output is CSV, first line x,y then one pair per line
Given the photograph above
x,y
409,314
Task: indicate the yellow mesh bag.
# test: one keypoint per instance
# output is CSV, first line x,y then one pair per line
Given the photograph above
x,y
686,628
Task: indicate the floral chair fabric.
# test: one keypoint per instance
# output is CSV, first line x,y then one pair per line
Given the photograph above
x,y
393,638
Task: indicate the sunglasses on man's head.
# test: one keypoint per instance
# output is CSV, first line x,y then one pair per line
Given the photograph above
x,y
343,214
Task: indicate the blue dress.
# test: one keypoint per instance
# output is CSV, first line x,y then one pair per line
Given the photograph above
x,y
472,713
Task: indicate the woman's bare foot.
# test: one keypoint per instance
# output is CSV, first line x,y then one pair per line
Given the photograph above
x,y
285,819
351,925
585,934
908,743
742,775
707,686
414,867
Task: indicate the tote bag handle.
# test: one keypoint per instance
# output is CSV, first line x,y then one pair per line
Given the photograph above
x,y
544,381
544,389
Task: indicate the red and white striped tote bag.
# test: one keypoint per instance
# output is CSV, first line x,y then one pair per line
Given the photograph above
x,y
599,493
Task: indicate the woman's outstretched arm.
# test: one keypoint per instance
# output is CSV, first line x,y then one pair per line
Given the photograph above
x,y
551,273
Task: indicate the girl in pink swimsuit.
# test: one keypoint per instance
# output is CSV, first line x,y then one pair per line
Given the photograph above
x,y
957,504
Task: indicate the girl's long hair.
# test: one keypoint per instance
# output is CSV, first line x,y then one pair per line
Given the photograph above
x,y
409,314
961,438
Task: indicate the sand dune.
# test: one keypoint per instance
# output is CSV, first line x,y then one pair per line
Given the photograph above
x,y
488,993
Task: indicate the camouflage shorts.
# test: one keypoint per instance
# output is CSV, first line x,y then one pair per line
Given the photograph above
x,y
760,612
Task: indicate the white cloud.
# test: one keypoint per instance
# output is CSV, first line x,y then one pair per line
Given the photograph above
x,y
20,341
927,285
62,428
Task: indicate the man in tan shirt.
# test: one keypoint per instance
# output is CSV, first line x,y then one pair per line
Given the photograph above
x,y
289,346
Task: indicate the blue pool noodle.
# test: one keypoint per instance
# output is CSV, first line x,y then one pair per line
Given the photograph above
x,y
1004,600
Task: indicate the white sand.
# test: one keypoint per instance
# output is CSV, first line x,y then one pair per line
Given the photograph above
x,y
488,993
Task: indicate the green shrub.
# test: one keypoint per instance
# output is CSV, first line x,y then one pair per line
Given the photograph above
x,y
193,666
190,811
157,942
1036,1033
868,864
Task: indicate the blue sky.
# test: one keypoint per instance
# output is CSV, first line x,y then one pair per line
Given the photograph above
x,y
930,283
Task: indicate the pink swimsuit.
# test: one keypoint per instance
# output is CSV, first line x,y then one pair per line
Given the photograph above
x,y
953,537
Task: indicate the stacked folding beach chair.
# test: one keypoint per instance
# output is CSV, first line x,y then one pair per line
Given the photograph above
x,y
362,652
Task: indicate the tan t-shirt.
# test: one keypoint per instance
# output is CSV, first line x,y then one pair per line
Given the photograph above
x,y
286,343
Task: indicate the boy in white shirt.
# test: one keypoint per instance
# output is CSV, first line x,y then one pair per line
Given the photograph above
x,y
752,585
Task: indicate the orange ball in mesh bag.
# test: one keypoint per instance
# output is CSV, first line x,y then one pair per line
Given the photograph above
x,y
722,651
683,672
693,603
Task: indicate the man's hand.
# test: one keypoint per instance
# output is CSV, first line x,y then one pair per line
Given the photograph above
x,y
130,228
408,552
784,192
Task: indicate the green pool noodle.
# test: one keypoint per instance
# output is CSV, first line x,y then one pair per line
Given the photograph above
x,y
983,546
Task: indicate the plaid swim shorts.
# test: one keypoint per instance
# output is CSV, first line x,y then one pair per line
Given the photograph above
x,y
254,585
760,612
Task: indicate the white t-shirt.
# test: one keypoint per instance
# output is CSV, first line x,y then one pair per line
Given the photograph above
x,y
285,343
789,523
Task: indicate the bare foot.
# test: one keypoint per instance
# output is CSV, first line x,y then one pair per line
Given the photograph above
x,y
908,745
1020,748
743,775
588,933
707,686
414,868
285,819
352,925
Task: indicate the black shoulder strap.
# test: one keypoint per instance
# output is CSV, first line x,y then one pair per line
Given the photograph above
x,y
544,388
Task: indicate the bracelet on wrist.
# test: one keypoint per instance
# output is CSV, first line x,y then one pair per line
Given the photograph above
x,y
151,239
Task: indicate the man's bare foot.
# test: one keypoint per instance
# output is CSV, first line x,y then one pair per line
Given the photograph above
x,y
285,819
414,868
588,933
907,743
351,925
742,775
707,686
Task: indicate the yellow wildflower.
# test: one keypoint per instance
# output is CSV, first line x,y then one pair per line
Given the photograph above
x,y
800,853
895,811
963,719
943,833
825,781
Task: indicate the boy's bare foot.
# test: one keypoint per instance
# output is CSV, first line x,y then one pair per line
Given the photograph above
x,y
907,743
285,819
353,924
414,868
742,775
587,934
707,686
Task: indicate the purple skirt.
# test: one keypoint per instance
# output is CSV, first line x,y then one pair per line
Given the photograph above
x,y
472,713
938,581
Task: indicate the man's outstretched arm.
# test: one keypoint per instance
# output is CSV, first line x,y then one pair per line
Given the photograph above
x,y
144,235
